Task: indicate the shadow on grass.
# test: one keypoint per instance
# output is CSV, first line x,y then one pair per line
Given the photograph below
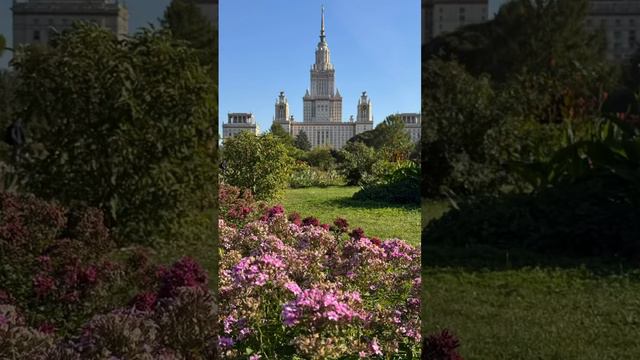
x,y
368,204
482,258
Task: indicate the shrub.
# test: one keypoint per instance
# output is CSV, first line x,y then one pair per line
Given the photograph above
x,y
52,260
304,175
594,217
459,110
317,292
321,157
179,326
402,186
257,163
238,206
356,161
123,126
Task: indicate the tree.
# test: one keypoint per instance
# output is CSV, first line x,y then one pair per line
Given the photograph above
x,y
389,137
281,134
536,35
258,163
392,139
187,23
122,125
356,161
302,141
458,112
321,157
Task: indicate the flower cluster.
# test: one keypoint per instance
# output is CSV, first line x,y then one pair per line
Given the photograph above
x,y
316,294
179,326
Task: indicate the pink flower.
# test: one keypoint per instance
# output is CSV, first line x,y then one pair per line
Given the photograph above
x,y
145,301
43,285
293,287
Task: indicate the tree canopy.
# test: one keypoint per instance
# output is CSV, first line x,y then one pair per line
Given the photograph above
x,y
122,125
187,23
536,35
302,141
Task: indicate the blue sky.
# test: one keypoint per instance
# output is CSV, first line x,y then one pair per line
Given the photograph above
x,y
269,46
141,13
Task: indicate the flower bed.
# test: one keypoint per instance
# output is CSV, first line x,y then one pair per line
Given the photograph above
x,y
295,287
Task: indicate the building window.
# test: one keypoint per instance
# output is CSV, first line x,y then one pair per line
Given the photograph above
x,y
462,10
603,22
36,21
632,22
36,35
51,22
462,18
617,34
618,22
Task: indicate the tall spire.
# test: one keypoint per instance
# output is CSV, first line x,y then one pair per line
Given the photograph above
x,y
322,25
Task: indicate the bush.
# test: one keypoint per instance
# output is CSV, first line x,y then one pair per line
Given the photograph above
x,y
321,157
123,126
304,175
257,163
400,185
317,293
180,324
593,217
356,161
52,260
459,110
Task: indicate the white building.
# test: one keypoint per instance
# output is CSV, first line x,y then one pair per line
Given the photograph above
x,y
413,124
322,105
442,16
238,122
620,21
35,21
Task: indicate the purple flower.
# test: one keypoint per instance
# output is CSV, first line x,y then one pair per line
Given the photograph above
x,y
225,342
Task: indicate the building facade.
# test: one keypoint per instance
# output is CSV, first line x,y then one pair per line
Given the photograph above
x,y
442,16
238,122
35,21
620,21
413,124
322,105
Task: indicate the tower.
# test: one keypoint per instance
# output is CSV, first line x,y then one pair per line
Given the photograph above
x,y
322,102
364,109
282,109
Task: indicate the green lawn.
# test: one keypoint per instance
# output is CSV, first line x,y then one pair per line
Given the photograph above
x,y
376,219
525,306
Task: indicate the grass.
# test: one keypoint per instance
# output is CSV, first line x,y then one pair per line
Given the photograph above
x,y
520,305
376,219
535,313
